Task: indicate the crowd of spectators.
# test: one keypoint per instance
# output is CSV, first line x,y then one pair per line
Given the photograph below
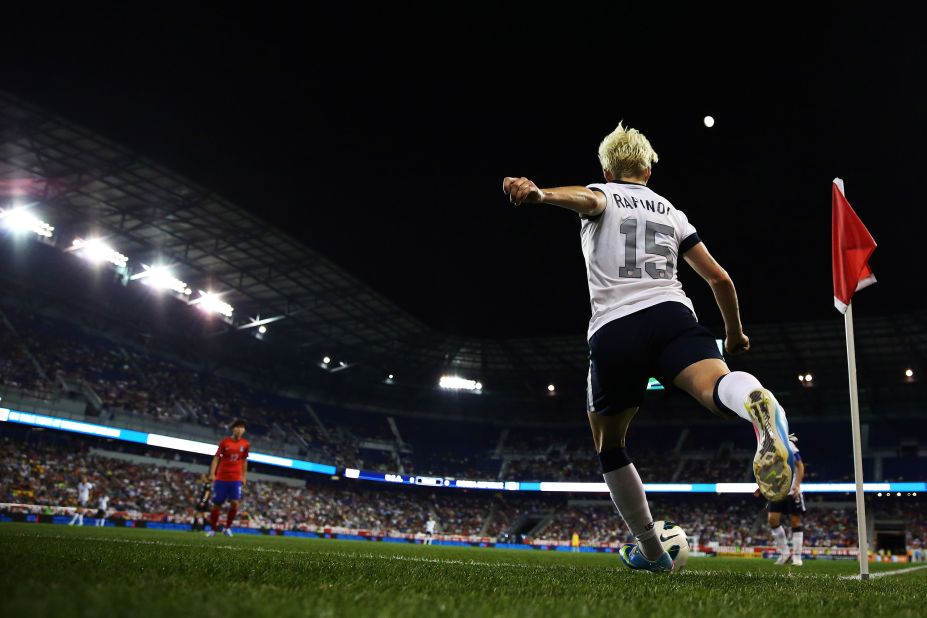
x,y
42,354
46,472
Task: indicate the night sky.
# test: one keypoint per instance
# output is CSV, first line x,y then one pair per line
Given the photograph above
x,y
383,147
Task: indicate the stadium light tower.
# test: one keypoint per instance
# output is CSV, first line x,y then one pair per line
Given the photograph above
x,y
454,383
97,251
259,323
211,303
160,278
19,220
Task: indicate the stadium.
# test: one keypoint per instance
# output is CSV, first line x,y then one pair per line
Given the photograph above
x,y
408,358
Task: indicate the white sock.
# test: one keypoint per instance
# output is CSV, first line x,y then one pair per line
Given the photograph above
x,y
627,491
797,539
781,542
733,390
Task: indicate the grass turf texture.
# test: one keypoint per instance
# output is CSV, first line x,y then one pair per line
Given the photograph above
x,y
62,571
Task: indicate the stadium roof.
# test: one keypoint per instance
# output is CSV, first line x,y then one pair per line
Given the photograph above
x,y
89,186
93,187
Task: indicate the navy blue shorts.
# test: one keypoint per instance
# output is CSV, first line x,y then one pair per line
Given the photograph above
x,y
225,490
790,506
659,342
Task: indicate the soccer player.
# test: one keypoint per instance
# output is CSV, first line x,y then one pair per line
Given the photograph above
x,y
102,506
794,507
229,472
429,530
202,503
643,325
574,541
83,497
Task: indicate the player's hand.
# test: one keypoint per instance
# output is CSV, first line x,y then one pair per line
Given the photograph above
x,y
244,482
737,344
522,191
212,477
796,492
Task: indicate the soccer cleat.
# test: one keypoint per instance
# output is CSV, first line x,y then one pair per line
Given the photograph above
x,y
784,559
796,561
632,557
227,532
773,464
210,534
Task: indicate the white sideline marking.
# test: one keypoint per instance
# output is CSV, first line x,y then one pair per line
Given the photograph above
x,y
338,554
887,573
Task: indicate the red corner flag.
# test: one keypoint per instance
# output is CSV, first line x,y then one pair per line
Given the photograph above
x,y
853,244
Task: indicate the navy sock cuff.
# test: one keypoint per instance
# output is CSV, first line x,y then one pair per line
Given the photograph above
x,y
614,458
718,403
797,529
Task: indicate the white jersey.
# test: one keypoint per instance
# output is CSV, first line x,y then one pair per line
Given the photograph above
x,y
103,503
632,250
83,492
430,526
797,456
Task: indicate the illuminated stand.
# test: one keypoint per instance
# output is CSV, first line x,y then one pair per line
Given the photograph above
x,y
204,448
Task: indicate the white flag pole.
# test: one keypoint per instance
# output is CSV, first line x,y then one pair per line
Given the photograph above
x,y
857,448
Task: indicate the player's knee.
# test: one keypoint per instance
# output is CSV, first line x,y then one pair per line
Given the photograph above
x,y
613,458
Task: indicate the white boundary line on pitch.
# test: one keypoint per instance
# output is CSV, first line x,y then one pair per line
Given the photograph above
x,y
887,573
394,557
270,550
431,560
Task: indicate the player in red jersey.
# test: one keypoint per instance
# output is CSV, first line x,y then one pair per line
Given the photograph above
x,y
229,472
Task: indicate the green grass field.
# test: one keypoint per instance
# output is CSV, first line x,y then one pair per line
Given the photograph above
x,y
61,571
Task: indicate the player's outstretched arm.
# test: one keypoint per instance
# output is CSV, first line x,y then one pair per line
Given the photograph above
x,y
578,199
722,286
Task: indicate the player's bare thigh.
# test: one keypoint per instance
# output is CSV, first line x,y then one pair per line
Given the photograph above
x,y
609,431
698,379
774,519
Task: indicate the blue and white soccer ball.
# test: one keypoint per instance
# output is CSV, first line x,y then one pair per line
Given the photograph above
x,y
675,541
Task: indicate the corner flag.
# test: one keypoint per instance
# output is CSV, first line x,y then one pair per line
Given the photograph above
x,y
853,244
852,247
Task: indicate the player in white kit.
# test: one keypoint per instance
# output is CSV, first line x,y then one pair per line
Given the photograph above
x,y
102,507
643,325
429,530
794,506
83,497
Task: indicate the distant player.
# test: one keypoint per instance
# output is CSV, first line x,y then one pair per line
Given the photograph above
x,y
429,530
202,503
102,506
574,542
229,472
644,325
83,498
794,507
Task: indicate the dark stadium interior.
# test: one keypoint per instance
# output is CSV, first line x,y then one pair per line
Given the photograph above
x,y
342,194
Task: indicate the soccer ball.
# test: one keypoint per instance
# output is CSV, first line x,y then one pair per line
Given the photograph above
x,y
675,542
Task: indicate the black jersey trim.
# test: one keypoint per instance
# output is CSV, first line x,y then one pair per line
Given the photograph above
x,y
690,241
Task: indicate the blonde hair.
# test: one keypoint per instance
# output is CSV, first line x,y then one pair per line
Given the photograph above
x,y
626,153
